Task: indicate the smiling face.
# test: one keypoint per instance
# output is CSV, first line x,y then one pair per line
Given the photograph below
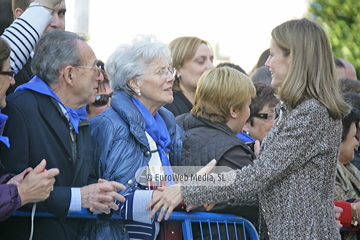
x,y
348,146
278,64
192,70
5,82
155,85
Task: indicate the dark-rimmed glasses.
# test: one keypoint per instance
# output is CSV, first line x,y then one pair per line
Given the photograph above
x,y
102,99
266,116
10,74
96,68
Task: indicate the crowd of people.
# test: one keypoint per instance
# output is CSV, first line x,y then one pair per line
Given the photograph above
x,y
77,133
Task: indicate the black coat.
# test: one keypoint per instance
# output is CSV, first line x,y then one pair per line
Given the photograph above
x,y
23,76
38,130
204,141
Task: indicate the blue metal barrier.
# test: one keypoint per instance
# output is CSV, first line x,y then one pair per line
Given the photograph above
x,y
187,218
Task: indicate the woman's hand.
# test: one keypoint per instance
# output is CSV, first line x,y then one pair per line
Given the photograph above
x,y
171,196
257,148
165,200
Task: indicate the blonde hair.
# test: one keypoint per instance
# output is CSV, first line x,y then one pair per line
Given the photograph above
x,y
183,49
220,88
312,70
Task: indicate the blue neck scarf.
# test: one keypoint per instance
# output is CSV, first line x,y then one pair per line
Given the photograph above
x,y
3,139
156,128
245,137
38,85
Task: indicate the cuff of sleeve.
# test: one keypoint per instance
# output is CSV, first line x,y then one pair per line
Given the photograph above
x,y
75,202
141,199
38,17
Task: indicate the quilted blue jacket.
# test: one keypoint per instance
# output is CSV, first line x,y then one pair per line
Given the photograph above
x,y
120,144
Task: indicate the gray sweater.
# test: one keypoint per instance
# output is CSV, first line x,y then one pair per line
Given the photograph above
x,y
294,176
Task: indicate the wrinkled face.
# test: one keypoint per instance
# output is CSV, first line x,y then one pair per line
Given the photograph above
x,y
277,64
348,146
155,85
58,18
192,70
87,77
96,110
5,82
260,125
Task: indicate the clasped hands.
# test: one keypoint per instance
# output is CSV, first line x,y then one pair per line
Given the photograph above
x,y
170,197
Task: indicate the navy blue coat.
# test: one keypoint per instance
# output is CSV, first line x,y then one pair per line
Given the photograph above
x,y
38,130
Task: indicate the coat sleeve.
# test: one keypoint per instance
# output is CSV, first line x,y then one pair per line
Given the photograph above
x,y
346,216
295,145
23,34
9,197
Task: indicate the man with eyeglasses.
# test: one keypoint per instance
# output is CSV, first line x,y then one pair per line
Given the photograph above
x,y
43,124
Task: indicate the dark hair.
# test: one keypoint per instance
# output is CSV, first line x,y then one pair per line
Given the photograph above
x,y
6,16
339,63
262,60
352,117
4,52
353,99
261,74
265,94
232,65
349,85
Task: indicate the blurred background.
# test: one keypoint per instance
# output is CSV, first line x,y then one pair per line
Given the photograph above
x,y
238,31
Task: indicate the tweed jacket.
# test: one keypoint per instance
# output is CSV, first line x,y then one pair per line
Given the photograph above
x,y
294,176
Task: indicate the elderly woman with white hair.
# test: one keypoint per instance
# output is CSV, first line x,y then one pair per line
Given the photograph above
x,y
135,131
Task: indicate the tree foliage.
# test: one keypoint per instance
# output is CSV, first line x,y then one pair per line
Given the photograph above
x,y
341,21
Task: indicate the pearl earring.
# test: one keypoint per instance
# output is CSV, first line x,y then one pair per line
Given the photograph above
x,y
138,93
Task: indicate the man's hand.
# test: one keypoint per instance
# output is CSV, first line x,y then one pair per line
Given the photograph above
x,y
19,178
38,184
100,197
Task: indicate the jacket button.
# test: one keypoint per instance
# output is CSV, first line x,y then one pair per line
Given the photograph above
x,y
264,210
123,231
147,154
268,234
131,183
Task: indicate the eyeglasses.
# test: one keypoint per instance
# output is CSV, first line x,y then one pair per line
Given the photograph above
x,y
11,74
96,68
163,72
102,99
267,116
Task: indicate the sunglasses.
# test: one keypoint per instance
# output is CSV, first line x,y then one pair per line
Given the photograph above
x,y
102,99
267,116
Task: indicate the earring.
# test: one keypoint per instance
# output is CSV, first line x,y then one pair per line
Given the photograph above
x,y
177,76
138,93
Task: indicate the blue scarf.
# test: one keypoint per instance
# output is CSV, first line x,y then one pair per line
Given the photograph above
x,y
38,85
245,137
156,128
3,139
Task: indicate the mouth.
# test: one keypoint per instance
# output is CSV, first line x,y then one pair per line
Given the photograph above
x,y
168,89
271,73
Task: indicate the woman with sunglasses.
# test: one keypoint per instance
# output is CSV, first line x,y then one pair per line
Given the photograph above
x,y
262,114
294,176
135,131
102,99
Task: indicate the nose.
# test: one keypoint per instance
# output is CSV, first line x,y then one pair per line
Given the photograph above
x,y
357,143
209,65
55,21
12,81
267,62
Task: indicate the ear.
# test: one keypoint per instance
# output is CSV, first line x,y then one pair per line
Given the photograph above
x,y
233,113
69,75
18,12
134,84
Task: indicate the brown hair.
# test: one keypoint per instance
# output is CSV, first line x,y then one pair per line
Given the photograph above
x,y
312,70
219,89
4,52
183,49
